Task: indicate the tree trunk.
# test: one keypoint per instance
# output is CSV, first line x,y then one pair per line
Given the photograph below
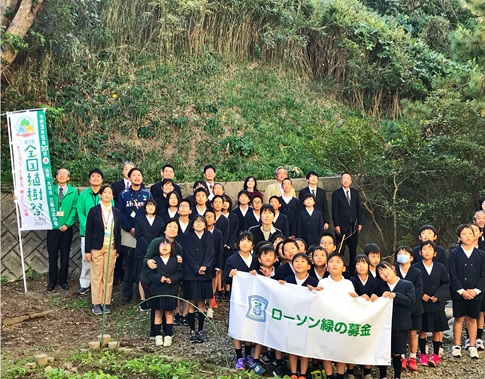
x,y
19,26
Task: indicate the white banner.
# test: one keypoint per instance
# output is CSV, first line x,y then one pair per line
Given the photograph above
x,y
33,181
314,324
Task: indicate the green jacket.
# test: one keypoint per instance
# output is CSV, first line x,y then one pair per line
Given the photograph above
x,y
86,201
68,205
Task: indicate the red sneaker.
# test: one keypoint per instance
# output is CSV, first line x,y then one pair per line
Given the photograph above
x,y
412,364
403,363
214,304
434,361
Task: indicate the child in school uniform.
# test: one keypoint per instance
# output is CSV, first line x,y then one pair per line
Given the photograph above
x,y
302,247
301,264
467,276
373,252
402,291
280,220
436,287
243,200
198,248
319,268
243,261
201,203
480,245
404,257
171,211
229,246
147,227
309,222
165,280
253,216
430,233
290,205
290,248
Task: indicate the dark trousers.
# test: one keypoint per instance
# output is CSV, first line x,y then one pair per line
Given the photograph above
x,y
59,246
119,270
129,277
352,243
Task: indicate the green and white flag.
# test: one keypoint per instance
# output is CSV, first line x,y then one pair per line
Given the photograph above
x,y
31,168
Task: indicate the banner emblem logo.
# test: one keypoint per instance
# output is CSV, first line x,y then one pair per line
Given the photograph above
x,y
257,308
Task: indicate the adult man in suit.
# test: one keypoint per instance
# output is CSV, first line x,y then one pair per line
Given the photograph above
x,y
319,194
276,189
347,217
59,240
122,184
167,172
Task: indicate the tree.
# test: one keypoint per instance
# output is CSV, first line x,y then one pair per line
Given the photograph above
x,y
14,29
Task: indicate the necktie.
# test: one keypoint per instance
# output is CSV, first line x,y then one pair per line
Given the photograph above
x,y
61,194
348,196
313,192
127,185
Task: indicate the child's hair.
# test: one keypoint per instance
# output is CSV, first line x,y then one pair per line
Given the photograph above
x,y
201,189
407,249
320,248
371,248
274,197
217,197
428,227
170,194
286,179
302,241
267,207
302,255
383,265
310,250
169,221
245,185
199,218
306,196
259,245
150,201
328,234
199,183
277,249
167,180
287,241
228,199
244,192
428,242
266,249
165,240
185,201
244,235
219,184
258,196
208,210
463,226
338,255
362,258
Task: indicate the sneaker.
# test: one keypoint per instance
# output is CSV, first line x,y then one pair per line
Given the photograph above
x,y
240,364
201,336
473,352
466,344
96,309
210,313
107,309
294,376
83,290
257,368
279,371
456,351
441,352
349,376
403,363
227,296
159,340
412,364
248,361
479,344
317,374
214,303
176,320
183,321
423,360
219,296
266,358
434,361
192,336
167,341
144,306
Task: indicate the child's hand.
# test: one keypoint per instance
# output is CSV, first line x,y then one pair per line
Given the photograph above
x,y
434,299
353,294
281,281
265,271
318,288
179,259
253,272
365,297
168,280
425,297
389,294
151,264
163,279
202,270
374,297
233,272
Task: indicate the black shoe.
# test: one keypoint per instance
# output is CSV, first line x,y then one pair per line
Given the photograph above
x,y
279,371
176,320
219,296
64,286
83,290
201,336
192,336
117,281
51,286
127,300
227,296
183,321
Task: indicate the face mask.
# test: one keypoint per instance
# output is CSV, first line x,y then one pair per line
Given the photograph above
x,y
403,259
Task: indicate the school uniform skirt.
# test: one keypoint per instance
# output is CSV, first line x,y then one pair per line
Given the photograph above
x,y
435,321
164,303
197,290
417,321
399,341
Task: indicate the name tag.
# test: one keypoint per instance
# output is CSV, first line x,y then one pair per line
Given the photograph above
x,y
133,214
60,214
107,232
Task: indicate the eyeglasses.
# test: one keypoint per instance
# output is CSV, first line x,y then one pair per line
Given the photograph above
x,y
326,243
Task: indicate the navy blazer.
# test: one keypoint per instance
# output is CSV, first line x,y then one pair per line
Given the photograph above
x,y
435,284
236,262
320,201
403,303
250,220
291,211
145,233
346,216
198,252
310,228
440,255
153,251
218,249
414,276
258,235
241,219
281,223
172,270
371,286
165,215
233,233
283,271
156,189
95,229
222,223
309,281
467,273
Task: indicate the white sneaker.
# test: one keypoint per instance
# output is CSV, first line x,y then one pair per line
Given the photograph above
x,y
479,344
167,341
456,351
472,350
210,313
466,344
159,340
441,352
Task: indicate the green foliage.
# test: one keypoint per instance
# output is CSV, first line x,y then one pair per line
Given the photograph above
x,y
12,42
3,280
